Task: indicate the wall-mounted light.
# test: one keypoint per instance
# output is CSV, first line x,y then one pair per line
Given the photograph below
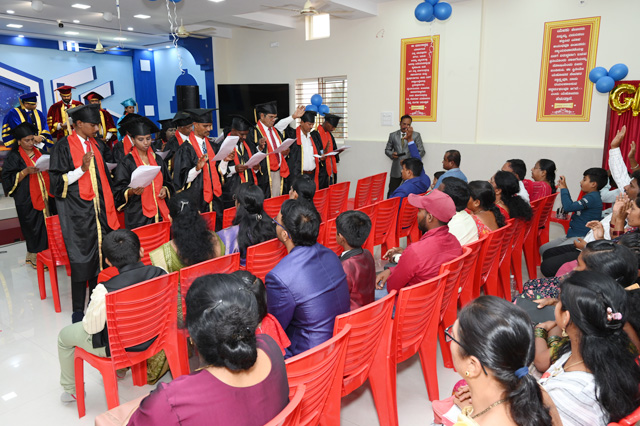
x,y
317,26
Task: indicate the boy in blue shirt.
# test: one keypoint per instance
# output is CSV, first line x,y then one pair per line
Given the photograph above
x,y
588,208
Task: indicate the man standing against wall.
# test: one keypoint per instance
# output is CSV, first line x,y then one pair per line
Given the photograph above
x,y
398,148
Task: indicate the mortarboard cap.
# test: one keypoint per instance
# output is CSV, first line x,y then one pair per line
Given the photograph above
x,y
167,123
308,117
127,118
127,103
267,108
182,118
201,115
85,113
240,123
65,90
332,119
23,130
31,97
139,125
93,95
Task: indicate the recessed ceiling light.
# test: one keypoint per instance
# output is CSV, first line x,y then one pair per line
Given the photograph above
x,y
75,21
216,1
168,47
81,6
142,16
150,50
11,12
71,32
130,29
20,35
119,38
14,25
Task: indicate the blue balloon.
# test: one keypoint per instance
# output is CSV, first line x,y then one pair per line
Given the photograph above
x,y
433,17
605,84
316,100
431,2
597,73
323,109
618,72
442,10
423,12
311,107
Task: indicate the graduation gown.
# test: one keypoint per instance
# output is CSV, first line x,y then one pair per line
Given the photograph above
x,y
107,125
171,147
32,220
264,174
120,150
328,173
230,182
132,204
56,115
18,116
294,159
84,223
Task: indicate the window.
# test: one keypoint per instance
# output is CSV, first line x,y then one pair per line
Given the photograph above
x,y
334,94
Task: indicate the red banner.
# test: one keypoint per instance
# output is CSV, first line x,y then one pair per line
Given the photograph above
x,y
419,78
569,53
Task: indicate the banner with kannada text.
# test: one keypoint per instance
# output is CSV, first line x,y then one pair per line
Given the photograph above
x,y
419,78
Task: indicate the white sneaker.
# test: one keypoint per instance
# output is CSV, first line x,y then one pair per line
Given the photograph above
x,y
67,398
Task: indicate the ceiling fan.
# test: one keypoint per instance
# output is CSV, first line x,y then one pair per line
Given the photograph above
x,y
101,49
308,9
183,33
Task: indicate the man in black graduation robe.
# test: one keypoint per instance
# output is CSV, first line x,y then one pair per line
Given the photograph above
x,y
323,137
183,124
77,168
124,147
301,159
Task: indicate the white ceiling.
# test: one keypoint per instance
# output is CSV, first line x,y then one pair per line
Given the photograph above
x,y
216,19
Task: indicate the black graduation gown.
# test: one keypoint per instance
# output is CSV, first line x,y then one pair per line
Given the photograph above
x,y
263,174
231,182
80,228
294,159
31,220
184,160
171,147
105,151
323,177
133,216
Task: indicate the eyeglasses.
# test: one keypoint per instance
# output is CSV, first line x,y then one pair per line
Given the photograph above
x,y
281,226
448,338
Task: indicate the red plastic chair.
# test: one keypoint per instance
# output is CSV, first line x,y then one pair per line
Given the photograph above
x,y
516,251
321,201
227,217
367,350
545,218
530,246
416,318
385,229
52,257
290,416
467,276
338,195
272,205
261,258
210,218
630,420
377,188
330,241
504,264
320,369
153,236
407,224
107,273
363,194
370,211
486,274
321,232
135,315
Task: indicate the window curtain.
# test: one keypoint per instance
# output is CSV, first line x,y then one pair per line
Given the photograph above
x,y
617,120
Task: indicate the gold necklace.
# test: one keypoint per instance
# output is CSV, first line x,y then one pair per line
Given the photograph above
x,y
500,401
571,365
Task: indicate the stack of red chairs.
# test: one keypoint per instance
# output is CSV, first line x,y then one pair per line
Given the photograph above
x,y
386,222
377,188
363,194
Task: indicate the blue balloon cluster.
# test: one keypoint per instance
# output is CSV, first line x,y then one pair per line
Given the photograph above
x,y
317,105
429,10
606,81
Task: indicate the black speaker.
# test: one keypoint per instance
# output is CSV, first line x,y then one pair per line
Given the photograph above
x,y
188,97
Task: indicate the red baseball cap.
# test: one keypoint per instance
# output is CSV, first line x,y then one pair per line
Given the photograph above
x,y
436,202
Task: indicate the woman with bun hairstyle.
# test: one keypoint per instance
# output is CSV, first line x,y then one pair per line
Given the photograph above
x,y
243,380
482,207
511,205
544,178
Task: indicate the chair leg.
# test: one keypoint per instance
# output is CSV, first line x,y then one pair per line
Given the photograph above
x,y
428,353
516,266
178,364
53,275
111,388
78,369
68,268
447,360
139,373
40,272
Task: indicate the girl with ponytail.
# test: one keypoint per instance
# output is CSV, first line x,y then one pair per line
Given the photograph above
x,y
482,206
506,186
544,178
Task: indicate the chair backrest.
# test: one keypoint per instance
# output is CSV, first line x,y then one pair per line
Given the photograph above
x,y
363,192
330,241
56,242
272,205
407,219
452,282
210,218
107,273
630,420
386,217
322,232
227,217
320,370
467,272
370,325
219,265
545,214
536,208
377,187
507,238
261,258
290,415
153,236
321,201
490,251
338,198
137,314
370,211
417,308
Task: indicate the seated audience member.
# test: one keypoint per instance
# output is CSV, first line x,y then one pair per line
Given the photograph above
x,y
267,323
492,345
412,183
308,288
421,260
353,228
436,177
451,165
596,378
544,180
482,206
120,248
251,226
506,187
519,170
188,246
588,208
243,380
303,187
461,225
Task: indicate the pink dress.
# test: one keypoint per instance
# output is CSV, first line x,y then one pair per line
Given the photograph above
x,y
482,228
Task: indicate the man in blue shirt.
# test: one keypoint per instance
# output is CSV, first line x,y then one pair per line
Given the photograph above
x,y
412,179
451,163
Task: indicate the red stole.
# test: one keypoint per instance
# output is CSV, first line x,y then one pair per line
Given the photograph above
x,y
127,144
38,194
281,163
211,182
243,176
85,183
315,151
327,147
179,138
151,204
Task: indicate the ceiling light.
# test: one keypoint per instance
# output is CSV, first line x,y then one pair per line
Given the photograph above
x,y
11,12
120,38
37,5
71,32
216,1
14,25
107,16
142,16
20,36
75,21
81,6
168,47
318,26
150,50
